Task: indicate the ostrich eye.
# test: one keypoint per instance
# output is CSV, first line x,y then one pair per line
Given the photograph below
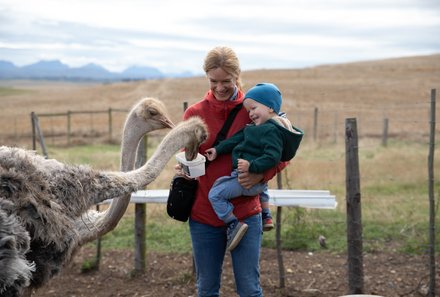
x,y
153,112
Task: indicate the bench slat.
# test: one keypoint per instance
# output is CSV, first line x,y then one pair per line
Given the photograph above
x,y
296,198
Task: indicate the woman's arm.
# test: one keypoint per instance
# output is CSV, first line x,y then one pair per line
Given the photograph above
x,y
247,179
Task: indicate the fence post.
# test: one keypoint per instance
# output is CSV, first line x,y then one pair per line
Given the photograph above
x,y
68,126
34,140
36,129
140,216
110,124
431,291
385,132
278,238
97,262
315,124
354,215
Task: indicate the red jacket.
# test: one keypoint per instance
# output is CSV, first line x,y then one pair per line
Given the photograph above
x,y
214,113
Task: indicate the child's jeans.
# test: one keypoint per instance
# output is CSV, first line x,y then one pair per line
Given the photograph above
x,y
264,195
228,187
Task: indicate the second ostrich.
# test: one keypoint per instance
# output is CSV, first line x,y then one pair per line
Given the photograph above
x,y
44,204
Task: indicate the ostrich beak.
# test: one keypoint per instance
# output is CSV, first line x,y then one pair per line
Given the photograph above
x,y
167,123
191,151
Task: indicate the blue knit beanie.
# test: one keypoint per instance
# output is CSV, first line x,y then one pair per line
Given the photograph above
x,y
267,94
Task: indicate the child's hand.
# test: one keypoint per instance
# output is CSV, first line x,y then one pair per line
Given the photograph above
x,y
243,165
211,154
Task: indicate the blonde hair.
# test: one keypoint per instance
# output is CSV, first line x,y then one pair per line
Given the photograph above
x,y
225,58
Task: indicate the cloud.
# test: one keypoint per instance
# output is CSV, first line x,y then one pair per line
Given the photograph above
x,y
175,35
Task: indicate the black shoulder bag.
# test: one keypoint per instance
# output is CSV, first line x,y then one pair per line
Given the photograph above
x,y
182,190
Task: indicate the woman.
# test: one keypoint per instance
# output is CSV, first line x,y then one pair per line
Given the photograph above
x,y
208,233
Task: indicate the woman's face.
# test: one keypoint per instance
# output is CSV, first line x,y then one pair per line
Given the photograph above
x,y
221,83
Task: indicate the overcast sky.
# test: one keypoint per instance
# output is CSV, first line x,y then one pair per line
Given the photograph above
x,y
175,35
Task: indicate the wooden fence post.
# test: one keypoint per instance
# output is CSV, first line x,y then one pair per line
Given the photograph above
x,y
68,126
140,216
97,262
315,124
34,136
36,131
110,124
431,290
281,269
354,215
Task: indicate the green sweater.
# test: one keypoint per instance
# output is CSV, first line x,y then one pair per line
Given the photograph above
x,y
264,146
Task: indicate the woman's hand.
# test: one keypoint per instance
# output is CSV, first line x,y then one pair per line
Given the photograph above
x,y
247,179
178,171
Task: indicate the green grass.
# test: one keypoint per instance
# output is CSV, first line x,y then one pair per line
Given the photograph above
x,y
162,235
100,156
394,200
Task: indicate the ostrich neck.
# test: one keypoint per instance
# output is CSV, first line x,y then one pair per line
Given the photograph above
x,y
103,222
131,136
172,142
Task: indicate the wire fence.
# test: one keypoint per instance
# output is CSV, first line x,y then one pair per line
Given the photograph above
x,y
407,122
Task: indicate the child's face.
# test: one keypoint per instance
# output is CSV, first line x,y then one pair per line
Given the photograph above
x,y
258,113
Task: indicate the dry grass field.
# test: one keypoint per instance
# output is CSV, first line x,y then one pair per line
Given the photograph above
x,y
391,178
397,89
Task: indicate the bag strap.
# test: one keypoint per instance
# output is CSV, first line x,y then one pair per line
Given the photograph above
x,y
224,130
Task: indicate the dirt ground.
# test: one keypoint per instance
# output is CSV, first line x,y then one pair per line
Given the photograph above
x,y
307,274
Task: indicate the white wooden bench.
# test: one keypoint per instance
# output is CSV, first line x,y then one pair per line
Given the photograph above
x,y
321,199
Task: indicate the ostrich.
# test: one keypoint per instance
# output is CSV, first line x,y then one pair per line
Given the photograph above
x,y
44,204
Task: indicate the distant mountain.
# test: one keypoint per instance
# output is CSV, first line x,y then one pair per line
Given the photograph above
x,y
44,69
138,72
55,70
5,65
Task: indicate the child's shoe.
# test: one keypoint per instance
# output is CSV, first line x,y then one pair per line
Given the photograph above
x,y
235,233
267,223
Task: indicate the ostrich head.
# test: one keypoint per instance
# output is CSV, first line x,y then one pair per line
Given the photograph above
x,y
152,113
200,135
147,115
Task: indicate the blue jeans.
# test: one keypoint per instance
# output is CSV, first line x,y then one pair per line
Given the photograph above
x,y
209,246
228,187
264,195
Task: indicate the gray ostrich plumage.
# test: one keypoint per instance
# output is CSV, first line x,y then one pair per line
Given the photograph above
x,y
44,204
